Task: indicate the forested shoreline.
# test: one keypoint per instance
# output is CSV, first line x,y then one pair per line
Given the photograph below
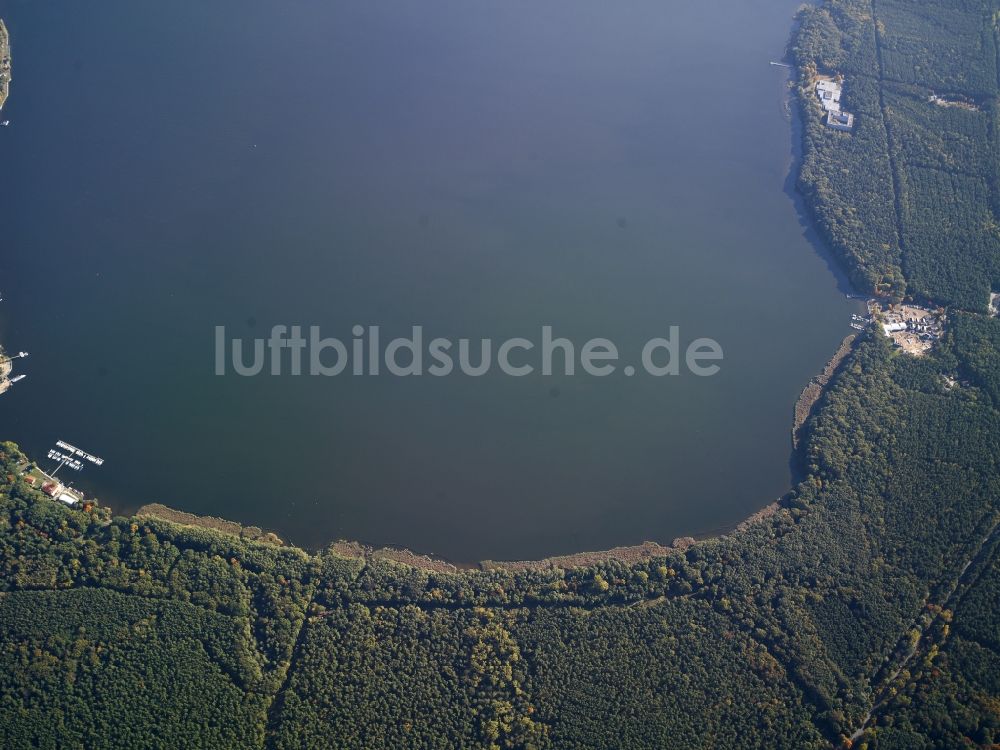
x,y
862,612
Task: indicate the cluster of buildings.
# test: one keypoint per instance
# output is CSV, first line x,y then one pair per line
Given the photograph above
x,y
66,455
54,489
913,329
829,90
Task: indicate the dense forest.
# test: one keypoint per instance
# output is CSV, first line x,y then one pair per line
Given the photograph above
x,y
862,613
910,198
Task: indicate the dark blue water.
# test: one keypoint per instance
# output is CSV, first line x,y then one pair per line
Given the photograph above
x,y
478,169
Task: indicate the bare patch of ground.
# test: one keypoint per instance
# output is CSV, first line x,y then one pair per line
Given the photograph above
x,y
913,329
5,368
943,101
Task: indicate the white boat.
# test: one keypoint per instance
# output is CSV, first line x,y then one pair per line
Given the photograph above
x,y
5,123
17,378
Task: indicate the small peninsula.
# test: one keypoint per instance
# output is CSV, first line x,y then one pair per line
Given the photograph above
x,y
4,63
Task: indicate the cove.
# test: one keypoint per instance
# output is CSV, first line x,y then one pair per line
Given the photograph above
x,y
479,170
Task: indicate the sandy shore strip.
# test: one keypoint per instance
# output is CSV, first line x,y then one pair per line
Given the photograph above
x,y
811,393
4,64
179,517
5,367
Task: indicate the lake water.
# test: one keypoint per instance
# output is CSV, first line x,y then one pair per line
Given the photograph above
x,y
480,169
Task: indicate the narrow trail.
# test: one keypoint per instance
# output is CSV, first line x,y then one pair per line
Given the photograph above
x,y
955,593
984,548
897,197
278,698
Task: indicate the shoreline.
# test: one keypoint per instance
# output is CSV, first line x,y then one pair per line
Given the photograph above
x,y
6,367
815,388
628,554
5,63
349,549
222,525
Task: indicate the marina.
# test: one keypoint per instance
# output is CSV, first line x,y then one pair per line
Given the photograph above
x,y
46,481
82,454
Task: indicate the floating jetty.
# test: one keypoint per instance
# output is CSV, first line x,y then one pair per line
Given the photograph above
x,y
72,457
72,449
64,460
